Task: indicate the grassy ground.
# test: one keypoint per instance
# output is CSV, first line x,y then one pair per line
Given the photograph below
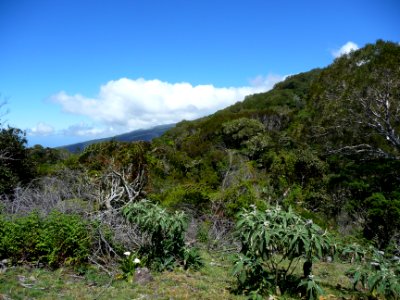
x,y
213,281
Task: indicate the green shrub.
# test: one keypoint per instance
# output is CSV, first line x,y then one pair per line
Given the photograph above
x,y
195,195
379,275
273,243
202,234
20,238
312,289
192,258
53,240
165,231
66,239
354,252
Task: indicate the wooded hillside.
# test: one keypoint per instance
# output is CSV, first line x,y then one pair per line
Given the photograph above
x,y
308,170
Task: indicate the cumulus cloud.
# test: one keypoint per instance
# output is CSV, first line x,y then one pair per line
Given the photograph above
x,y
41,129
130,104
345,49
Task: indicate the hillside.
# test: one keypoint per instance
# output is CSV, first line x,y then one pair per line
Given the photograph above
x,y
132,136
325,142
275,197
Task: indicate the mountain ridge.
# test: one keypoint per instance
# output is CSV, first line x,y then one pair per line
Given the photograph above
x,y
132,136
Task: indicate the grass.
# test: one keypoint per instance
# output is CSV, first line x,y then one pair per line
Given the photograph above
x,y
213,281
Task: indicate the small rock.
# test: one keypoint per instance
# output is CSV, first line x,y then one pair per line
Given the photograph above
x,y
143,276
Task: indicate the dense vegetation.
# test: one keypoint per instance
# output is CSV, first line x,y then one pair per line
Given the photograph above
x,y
301,170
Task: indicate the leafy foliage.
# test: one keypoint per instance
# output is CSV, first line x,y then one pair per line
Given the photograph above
x,y
312,289
128,265
379,274
54,240
15,166
273,242
47,161
354,252
165,232
98,157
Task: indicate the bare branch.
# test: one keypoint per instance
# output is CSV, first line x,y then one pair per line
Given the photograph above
x,y
117,189
362,149
381,107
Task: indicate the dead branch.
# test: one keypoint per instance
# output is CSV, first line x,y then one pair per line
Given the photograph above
x,y
117,189
67,192
364,149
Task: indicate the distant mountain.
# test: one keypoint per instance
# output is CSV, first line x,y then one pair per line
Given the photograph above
x,y
136,135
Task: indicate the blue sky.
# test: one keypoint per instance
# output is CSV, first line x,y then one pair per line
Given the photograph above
x,y
77,70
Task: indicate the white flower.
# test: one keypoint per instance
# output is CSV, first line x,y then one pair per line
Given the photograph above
x,y
136,261
311,277
127,253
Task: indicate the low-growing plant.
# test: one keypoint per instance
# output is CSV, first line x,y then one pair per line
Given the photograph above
x,y
192,258
379,275
53,240
20,238
66,239
354,252
128,265
312,289
165,232
202,234
273,243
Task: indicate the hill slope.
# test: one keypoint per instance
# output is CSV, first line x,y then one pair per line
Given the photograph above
x,y
326,142
136,135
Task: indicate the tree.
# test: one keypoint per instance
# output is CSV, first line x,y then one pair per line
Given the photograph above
x,y
4,155
248,134
15,166
380,210
356,103
380,105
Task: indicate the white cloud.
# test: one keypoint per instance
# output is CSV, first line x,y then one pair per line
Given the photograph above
x,y
345,49
127,104
41,129
84,130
